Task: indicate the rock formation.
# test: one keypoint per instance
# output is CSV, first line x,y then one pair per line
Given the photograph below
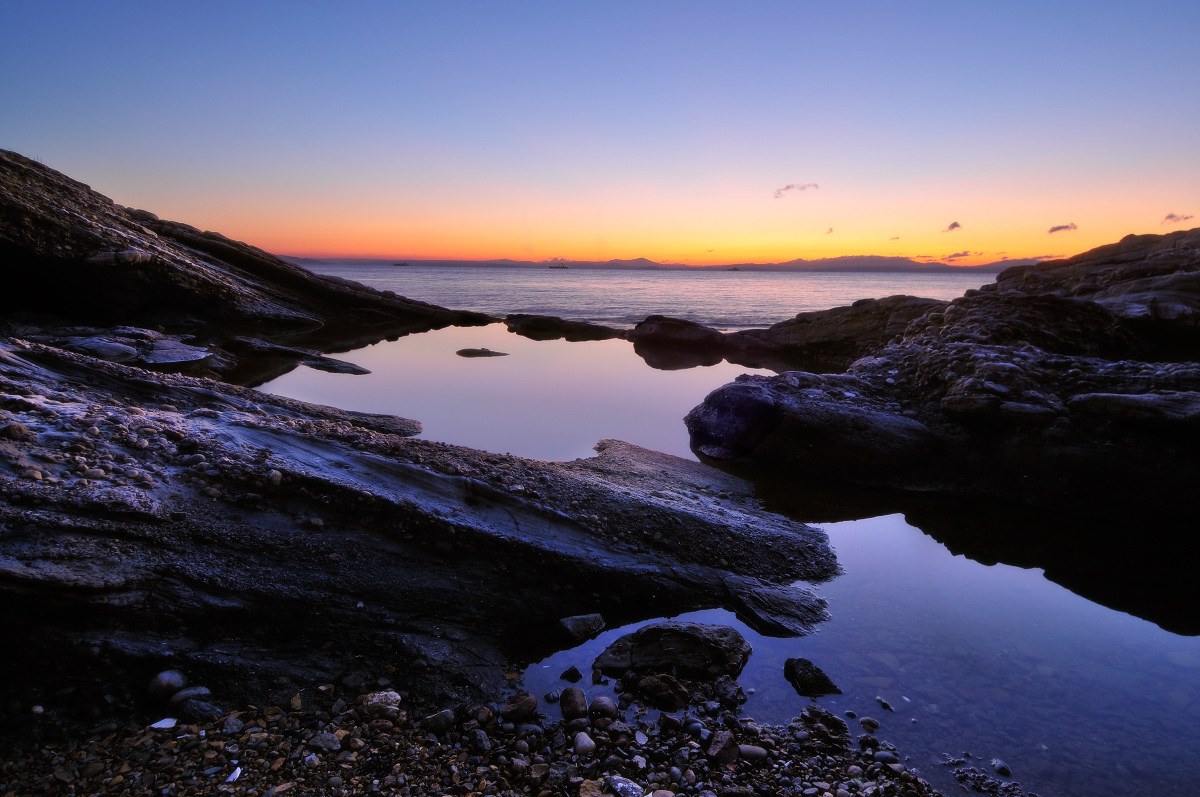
x,y
1072,386
70,257
153,516
152,519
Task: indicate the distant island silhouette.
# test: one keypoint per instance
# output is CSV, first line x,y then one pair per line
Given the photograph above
x,y
850,263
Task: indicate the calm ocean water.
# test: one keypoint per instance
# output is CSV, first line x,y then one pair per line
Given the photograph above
x,y
721,299
994,660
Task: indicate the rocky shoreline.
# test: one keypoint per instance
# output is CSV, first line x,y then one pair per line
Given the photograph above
x,y
322,743
154,516
300,561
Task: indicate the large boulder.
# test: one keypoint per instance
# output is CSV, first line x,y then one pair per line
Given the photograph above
x,y
689,649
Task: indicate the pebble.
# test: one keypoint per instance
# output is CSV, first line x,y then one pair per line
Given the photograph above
x,y
584,745
166,683
190,693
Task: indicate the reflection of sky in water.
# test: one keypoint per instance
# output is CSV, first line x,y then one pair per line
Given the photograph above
x,y
546,400
997,661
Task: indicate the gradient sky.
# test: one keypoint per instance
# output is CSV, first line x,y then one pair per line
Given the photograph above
x,y
618,130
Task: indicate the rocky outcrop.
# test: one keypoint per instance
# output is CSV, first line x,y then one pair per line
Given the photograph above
x,y
831,338
1072,385
823,340
70,256
262,543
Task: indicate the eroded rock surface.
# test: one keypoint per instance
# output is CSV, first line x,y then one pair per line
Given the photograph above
x,y
150,519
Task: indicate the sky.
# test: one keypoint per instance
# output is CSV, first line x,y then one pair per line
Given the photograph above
x,y
691,132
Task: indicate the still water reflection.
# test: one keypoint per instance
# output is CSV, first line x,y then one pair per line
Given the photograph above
x,y
545,400
994,660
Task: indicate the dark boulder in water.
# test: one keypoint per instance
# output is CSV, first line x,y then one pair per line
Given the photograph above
x,y
808,679
690,649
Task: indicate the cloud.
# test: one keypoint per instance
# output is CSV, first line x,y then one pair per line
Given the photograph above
x,y
1175,218
957,255
1061,227
894,238
779,192
954,225
829,231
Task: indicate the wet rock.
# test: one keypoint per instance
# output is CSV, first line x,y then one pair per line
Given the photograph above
x,y
663,691
1000,768
808,679
689,648
603,707
583,626
573,703
521,707
484,352
572,674
540,327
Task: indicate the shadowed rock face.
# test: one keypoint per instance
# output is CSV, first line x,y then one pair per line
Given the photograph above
x,y
72,255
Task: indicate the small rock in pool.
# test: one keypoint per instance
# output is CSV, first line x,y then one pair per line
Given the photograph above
x,y
480,353
1001,768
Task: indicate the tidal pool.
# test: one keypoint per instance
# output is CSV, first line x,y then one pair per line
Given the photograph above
x,y
995,661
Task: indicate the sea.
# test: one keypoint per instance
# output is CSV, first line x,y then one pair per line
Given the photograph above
x,y
979,660
622,297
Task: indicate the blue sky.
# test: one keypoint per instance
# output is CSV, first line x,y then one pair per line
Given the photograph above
x,y
620,129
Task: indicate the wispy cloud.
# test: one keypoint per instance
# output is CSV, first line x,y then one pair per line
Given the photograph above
x,y
961,255
954,225
829,231
779,192
1061,227
1175,218
894,238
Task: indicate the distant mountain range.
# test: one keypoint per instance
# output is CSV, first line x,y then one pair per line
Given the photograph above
x,y
860,263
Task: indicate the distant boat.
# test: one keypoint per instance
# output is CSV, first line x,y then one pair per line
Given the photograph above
x,y
735,268
399,264
558,265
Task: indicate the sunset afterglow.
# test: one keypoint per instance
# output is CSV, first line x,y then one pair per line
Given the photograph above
x,y
668,131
